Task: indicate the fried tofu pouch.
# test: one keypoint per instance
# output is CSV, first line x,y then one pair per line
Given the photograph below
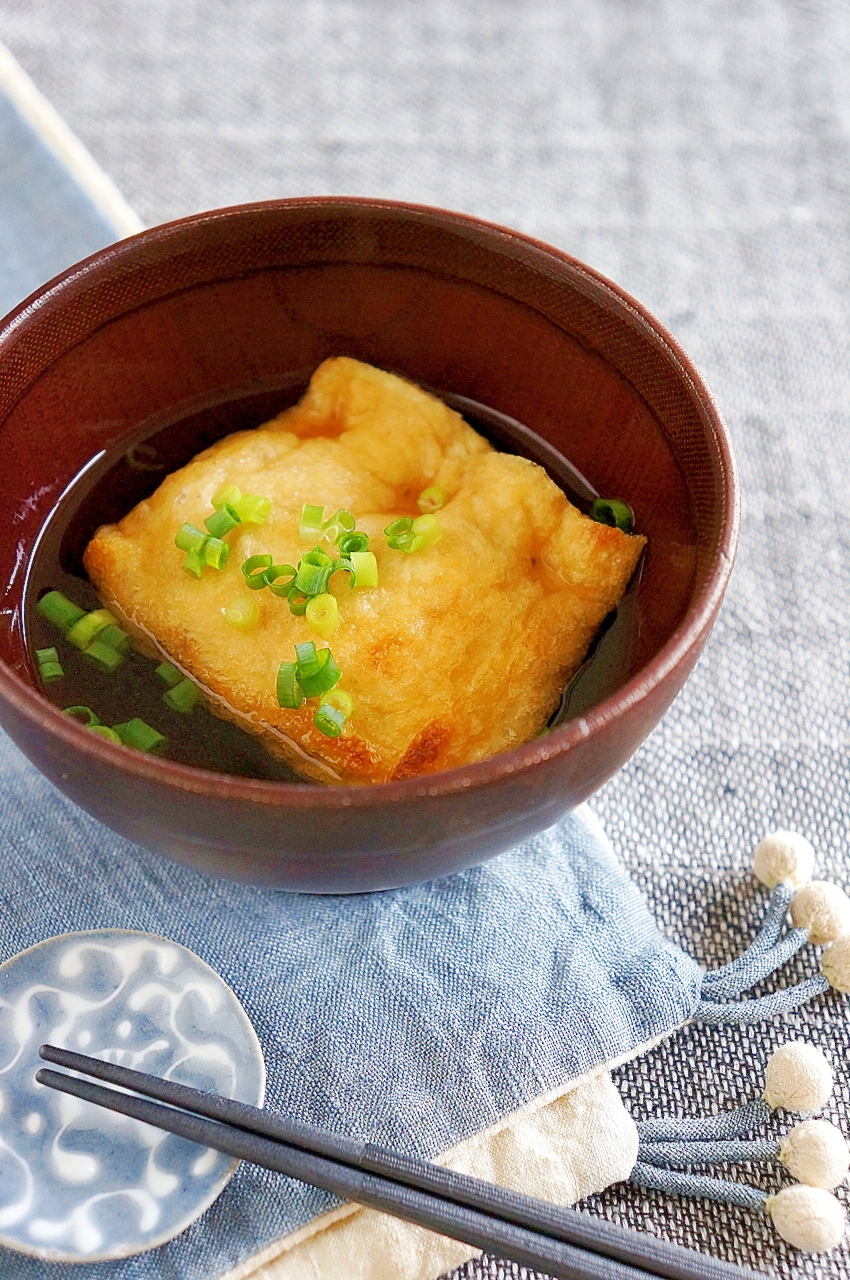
x,y
460,652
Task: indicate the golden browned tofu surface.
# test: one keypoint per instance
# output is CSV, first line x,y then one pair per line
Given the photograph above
x,y
460,652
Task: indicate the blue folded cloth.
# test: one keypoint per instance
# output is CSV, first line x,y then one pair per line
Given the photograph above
x,y
415,1017
47,223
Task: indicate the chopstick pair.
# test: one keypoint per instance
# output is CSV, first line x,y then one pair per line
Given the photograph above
x,y
549,1238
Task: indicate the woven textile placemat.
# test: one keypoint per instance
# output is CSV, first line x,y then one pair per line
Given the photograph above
x,y
699,154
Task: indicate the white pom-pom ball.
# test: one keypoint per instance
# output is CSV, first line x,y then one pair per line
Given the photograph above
x,y
823,909
835,964
815,1152
784,857
798,1078
808,1218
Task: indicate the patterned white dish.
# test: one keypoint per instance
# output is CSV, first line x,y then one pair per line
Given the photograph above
x,y
81,1184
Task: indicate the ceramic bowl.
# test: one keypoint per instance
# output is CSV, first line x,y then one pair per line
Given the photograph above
x,y
244,302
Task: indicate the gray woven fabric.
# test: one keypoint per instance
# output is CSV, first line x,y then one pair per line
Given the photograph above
x,y
699,154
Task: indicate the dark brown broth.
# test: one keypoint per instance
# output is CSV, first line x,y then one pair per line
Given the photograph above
x,y
117,479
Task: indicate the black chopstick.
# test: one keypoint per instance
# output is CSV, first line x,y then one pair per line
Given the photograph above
x,y
489,1217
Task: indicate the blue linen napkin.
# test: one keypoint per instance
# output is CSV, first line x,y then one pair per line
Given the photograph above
x,y
47,223
414,1017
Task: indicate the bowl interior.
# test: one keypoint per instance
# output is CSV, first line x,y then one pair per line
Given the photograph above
x,y
222,318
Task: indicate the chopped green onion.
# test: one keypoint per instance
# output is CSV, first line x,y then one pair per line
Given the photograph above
x,y
84,715
279,578
216,553
46,655
84,631
104,731
288,693
227,496
194,563
242,614
188,538
254,571
340,700
315,683
313,573
308,658
103,656
136,733
310,524
344,564
297,601
426,531
329,721
115,638
183,697
59,610
365,569
323,615
342,522
613,512
431,499
413,535
348,542
169,674
50,672
252,509
222,520
398,529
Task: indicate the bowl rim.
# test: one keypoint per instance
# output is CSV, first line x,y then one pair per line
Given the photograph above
x,y
698,619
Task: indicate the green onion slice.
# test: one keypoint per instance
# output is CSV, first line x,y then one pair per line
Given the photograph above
x,y
329,721
184,697
189,538
365,569
59,610
399,527
312,578
242,614
323,615
253,509
169,674
46,655
222,520
116,638
103,656
431,499
84,631
194,564
216,553
339,523
104,731
308,658
136,733
310,524
426,531
613,512
288,692
279,578
227,496
254,571
340,700
297,601
348,542
328,674
85,715
50,672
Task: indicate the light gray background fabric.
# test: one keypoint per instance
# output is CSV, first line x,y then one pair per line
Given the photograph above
x,y
699,154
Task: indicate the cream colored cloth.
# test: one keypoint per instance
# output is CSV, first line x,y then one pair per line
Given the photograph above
x,y
560,1148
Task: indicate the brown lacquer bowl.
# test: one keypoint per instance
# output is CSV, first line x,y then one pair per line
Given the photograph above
x,y
237,302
